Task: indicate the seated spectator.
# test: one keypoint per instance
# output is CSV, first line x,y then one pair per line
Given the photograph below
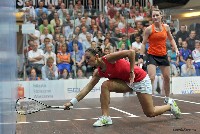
x,y
43,46
196,57
64,59
35,59
33,75
75,40
58,44
78,59
93,44
179,43
99,38
49,53
53,21
64,75
80,74
137,44
191,40
188,69
46,24
173,57
174,71
125,41
106,51
49,71
108,45
184,54
46,34
87,43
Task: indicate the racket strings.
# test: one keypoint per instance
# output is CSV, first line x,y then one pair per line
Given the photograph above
x,y
28,106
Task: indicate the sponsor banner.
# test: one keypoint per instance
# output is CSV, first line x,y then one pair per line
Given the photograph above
x,y
185,85
46,90
58,89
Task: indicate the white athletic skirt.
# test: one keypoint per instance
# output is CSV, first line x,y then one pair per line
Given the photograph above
x,y
143,86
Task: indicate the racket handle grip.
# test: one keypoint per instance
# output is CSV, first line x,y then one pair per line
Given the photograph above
x,y
66,108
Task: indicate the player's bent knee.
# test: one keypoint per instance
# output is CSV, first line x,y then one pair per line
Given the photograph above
x,y
105,85
149,114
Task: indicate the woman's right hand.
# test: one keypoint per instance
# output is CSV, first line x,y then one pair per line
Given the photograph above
x,y
68,105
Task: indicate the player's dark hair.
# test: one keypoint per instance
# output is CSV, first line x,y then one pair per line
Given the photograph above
x,y
95,51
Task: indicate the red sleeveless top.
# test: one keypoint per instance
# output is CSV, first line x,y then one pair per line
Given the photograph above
x,y
121,70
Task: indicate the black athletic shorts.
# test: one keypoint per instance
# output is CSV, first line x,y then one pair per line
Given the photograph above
x,y
157,60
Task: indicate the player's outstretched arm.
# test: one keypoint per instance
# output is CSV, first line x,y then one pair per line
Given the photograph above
x,y
95,79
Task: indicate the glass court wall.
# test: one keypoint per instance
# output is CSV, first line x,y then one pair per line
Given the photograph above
x,y
7,66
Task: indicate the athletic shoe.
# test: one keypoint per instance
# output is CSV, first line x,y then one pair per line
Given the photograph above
x,y
174,108
102,121
166,99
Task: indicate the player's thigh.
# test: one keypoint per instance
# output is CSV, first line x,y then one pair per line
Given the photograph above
x,y
115,85
146,102
165,71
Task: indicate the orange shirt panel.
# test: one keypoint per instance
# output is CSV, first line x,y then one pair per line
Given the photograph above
x,y
157,42
65,57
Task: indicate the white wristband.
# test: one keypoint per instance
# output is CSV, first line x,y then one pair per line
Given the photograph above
x,y
74,101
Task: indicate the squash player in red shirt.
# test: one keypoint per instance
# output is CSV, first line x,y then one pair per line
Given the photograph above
x,y
123,77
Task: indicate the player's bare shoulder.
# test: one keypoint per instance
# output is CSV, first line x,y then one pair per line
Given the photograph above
x,y
148,30
166,27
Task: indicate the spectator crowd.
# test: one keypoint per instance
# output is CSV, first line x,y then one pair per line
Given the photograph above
x,y
62,34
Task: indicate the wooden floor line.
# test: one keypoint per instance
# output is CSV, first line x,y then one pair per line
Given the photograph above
x,y
97,118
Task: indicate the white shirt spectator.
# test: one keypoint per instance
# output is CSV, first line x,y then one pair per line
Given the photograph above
x,y
51,54
33,54
196,55
136,45
42,37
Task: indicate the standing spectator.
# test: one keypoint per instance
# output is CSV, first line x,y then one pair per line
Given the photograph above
x,y
196,57
49,71
188,69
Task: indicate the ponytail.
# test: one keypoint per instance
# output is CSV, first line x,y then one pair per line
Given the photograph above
x,y
95,51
